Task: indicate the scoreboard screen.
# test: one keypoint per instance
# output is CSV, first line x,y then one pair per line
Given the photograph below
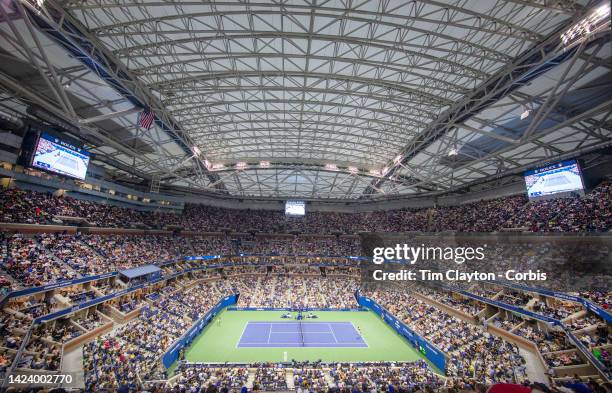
x,y
561,177
55,155
295,208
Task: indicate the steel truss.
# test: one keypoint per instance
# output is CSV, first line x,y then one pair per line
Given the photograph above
x,y
380,90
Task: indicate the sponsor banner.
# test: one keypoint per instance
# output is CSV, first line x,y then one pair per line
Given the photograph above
x,y
606,316
585,351
60,284
505,306
202,257
433,354
173,353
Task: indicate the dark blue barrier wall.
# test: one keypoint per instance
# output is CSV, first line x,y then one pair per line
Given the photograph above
x,y
93,302
59,284
531,314
291,309
433,354
606,316
503,305
172,354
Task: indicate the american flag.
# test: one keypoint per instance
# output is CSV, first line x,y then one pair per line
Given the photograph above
x,y
145,119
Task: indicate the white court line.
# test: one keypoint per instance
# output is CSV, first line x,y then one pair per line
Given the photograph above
x,y
269,333
360,335
290,322
351,345
332,332
242,335
293,331
271,322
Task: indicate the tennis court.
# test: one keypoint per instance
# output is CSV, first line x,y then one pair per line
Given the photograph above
x,y
234,340
263,334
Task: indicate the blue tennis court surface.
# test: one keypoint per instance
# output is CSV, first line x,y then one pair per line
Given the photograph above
x,y
304,334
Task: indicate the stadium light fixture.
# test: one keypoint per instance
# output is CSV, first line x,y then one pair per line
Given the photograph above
x,y
241,165
352,169
595,21
264,164
525,114
331,167
397,159
196,150
374,172
216,167
453,152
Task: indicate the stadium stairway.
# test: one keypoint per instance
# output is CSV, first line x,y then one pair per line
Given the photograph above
x,y
531,303
289,379
72,362
328,378
189,245
250,379
55,258
535,371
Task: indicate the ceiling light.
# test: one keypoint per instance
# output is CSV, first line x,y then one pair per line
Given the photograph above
x,y
452,152
353,169
264,164
525,114
593,22
331,167
217,166
241,165
374,172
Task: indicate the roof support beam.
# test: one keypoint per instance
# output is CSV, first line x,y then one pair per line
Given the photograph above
x,y
62,28
536,61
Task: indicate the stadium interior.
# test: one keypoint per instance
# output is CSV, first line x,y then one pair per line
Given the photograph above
x,y
193,194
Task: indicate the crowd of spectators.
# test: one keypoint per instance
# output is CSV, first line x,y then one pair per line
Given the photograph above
x,y
29,262
143,340
90,322
458,302
126,251
51,257
211,245
546,340
576,267
32,207
559,311
563,359
602,297
475,356
407,377
592,212
303,246
202,378
270,378
309,380
279,291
